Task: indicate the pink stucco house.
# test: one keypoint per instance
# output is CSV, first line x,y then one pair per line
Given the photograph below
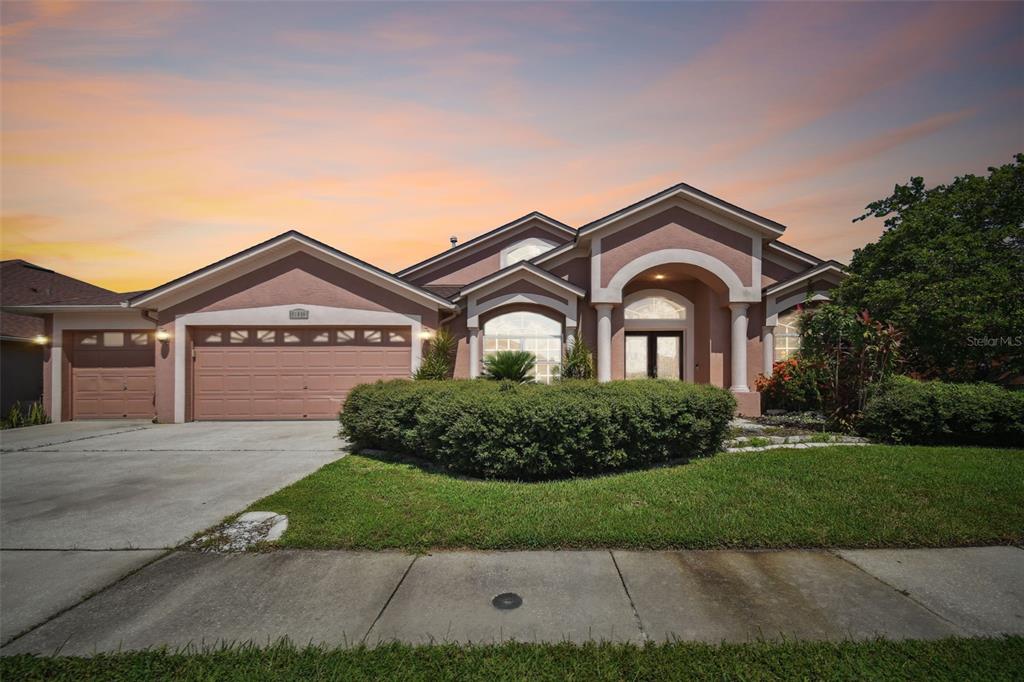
x,y
680,285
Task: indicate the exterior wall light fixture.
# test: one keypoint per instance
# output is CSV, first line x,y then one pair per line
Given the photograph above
x,y
162,335
41,339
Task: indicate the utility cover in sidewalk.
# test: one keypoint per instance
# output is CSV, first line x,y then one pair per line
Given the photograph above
x,y
507,601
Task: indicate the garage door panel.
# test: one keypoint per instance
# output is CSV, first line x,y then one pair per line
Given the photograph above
x,y
112,374
307,379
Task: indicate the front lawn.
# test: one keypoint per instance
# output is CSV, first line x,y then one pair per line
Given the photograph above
x,y
948,659
873,496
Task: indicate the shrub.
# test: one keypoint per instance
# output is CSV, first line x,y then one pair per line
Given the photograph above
x,y
902,410
792,386
439,360
578,361
510,365
533,431
16,416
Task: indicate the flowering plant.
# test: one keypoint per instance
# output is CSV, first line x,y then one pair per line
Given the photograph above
x,y
793,385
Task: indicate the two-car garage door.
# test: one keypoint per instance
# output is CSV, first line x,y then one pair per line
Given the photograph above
x,y
290,372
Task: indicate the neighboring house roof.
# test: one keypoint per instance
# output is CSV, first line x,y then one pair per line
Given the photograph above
x,y
24,284
831,268
461,249
522,267
291,238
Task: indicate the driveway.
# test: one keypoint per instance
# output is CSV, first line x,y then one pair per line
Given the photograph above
x,y
84,503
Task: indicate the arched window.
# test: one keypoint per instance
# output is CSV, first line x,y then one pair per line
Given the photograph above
x,y
787,335
655,308
525,250
531,332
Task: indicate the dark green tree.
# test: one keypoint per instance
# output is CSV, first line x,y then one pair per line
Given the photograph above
x,y
949,272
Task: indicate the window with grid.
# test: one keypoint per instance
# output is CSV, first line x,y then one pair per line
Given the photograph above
x,y
787,335
531,332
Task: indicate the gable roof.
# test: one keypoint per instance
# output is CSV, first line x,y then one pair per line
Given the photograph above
x,y
794,252
294,238
521,267
831,267
558,226
693,194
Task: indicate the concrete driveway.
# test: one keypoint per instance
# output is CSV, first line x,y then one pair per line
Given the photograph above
x,y
84,503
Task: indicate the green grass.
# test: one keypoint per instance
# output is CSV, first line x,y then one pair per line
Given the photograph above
x,y
874,496
949,659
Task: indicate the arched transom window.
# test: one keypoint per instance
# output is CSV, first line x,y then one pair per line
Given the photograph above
x,y
655,308
525,250
531,332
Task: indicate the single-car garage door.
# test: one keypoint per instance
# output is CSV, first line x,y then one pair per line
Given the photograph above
x,y
290,372
112,374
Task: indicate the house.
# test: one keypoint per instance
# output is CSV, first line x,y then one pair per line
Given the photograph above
x,y
680,285
21,351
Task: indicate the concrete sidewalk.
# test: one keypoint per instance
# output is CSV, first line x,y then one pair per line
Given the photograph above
x,y
345,598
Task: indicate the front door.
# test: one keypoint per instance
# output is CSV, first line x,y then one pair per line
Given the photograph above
x,y
658,355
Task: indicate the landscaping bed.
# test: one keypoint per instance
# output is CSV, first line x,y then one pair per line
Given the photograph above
x,y
947,659
840,496
504,430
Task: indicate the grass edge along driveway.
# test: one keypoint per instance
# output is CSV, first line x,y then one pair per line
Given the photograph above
x,y
947,659
874,496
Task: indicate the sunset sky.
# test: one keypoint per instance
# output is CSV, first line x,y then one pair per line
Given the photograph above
x,y
142,141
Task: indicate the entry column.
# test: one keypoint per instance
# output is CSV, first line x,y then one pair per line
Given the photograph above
x,y
604,341
474,352
739,347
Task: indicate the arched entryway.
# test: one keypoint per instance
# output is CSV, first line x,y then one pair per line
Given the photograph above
x,y
658,335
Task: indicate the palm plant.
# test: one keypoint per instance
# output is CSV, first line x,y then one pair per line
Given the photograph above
x,y
578,362
438,361
510,365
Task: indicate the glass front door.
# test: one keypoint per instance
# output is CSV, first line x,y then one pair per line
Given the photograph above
x,y
657,355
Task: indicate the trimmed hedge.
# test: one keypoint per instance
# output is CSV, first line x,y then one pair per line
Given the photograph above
x,y
531,431
903,410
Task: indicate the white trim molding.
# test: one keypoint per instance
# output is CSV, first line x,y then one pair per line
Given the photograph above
x,y
738,293
268,252
277,316
565,308
685,325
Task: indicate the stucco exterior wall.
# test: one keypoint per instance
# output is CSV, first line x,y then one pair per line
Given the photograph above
x,y
298,279
521,286
676,228
481,261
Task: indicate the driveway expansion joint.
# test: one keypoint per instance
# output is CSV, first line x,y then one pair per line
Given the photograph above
x,y
390,597
632,604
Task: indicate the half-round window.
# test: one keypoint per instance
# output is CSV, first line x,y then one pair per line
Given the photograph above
x,y
655,308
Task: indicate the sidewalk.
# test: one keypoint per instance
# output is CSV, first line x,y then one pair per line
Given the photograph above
x,y
345,598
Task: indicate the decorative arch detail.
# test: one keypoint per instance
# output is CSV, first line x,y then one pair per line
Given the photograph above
x,y
737,291
684,325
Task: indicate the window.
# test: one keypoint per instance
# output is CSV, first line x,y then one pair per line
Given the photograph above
x,y
396,337
372,336
655,308
140,338
525,250
290,337
321,337
266,335
113,339
346,335
238,336
531,332
787,335
89,340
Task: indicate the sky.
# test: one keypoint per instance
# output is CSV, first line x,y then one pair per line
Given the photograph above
x,y
141,141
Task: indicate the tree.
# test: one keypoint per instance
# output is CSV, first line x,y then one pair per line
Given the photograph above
x,y
578,361
510,365
949,272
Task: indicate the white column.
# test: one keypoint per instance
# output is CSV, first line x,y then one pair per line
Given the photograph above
x,y
739,347
768,349
474,352
604,341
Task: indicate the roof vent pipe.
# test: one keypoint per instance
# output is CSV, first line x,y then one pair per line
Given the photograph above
x,y
454,240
